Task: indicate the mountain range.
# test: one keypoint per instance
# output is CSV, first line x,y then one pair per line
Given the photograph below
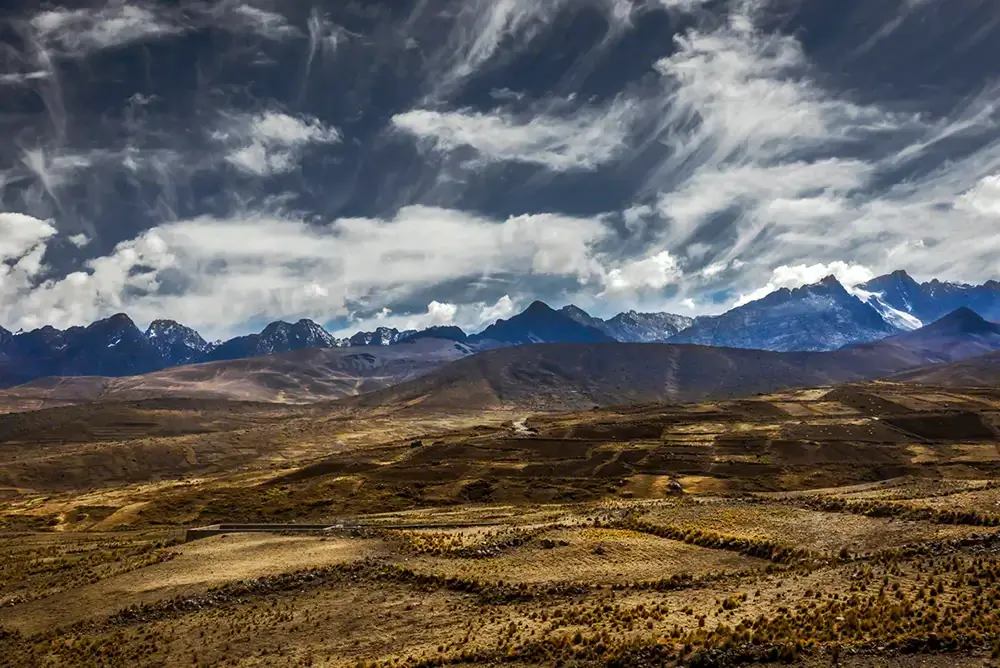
x,y
582,375
437,374
818,317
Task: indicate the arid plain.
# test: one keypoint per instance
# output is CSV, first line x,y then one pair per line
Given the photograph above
x,y
855,524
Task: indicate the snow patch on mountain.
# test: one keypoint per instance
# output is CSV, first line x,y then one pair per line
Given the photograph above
x,y
897,318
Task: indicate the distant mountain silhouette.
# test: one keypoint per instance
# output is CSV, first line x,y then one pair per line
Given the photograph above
x,y
632,327
447,333
540,324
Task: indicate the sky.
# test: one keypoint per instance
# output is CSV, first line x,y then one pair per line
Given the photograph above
x,y
433,162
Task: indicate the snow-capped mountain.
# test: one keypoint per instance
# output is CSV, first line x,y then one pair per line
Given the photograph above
x,y
822,316
646,327
930,301
278,337
110,347
632,327
382,336
177,343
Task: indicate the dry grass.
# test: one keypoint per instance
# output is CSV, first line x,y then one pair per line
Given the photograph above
x,y
805,532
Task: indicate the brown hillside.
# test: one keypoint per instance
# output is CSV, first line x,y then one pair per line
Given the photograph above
x,y
299,377
557,376
978,371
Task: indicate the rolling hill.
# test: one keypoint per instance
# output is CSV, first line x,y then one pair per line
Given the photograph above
x,y
302,376
974,372
564,376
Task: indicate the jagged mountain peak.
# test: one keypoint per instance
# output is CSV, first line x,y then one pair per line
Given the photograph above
x,y
573,311
448,332
540,323
538,307
116,321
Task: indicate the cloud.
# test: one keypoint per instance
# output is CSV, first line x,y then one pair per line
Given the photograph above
x,y
776,193
21,78
271,142
983,198
246,18
580,141
504,308
682,5
218,273
650,273
20,233
470,317
481,34
765,165
796,276
480,27
695,167
79,32
54,170
78,240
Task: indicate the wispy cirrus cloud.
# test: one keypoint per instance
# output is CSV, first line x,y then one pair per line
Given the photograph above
x,y
767,167
581,140
79,32
250,18
696,166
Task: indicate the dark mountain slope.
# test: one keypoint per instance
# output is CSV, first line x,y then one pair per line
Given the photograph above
x,y
308,375
958,335
822,316
932,300
979,371
555,376
539,324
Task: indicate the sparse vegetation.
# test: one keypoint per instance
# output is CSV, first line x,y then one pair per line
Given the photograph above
x,y
480,547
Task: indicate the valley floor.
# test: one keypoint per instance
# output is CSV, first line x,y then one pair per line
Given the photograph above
x,y
853,525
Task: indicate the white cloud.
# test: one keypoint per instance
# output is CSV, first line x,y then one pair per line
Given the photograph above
x,y
504,308
469,317
271,142
484,32
19,78
54,170
779,194
650,273
764,162
983,198
20,233
795,276
78,240
215,274
439,314
250,19
79,32
583,140
682,5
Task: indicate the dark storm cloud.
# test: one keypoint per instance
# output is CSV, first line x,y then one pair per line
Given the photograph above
x,y
445,161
